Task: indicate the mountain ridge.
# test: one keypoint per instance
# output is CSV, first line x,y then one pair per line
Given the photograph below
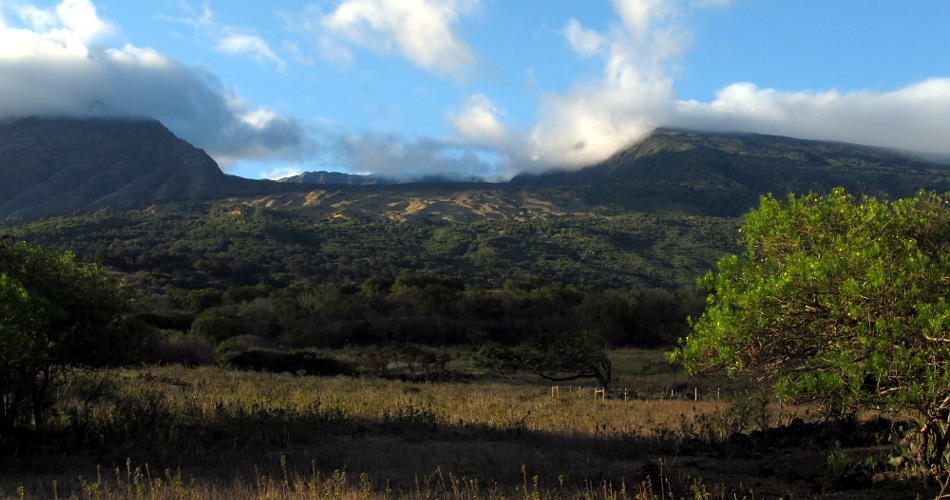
x,y
725,173
58,165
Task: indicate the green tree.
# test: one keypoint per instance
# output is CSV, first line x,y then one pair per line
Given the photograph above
x,y
561,357
55,315
217,324
840,301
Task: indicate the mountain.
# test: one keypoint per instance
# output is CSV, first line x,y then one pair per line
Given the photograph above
x,y
342,179
57,165
659,213
336,178
724,174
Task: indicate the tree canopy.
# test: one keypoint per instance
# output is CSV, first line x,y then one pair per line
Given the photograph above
x,y
54,315
839,300
560,357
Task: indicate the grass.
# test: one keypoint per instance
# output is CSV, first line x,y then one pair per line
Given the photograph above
x,y
173,432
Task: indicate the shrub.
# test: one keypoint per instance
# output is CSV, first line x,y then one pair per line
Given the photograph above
x,y
187,350
298,361
241,343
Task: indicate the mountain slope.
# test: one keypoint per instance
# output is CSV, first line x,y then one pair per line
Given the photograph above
x,y
724,174
51,166
54,166
335,178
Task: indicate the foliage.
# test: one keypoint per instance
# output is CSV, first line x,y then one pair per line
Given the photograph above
x,y
306,279
297,361
55,315
841,301
562,357
188,350
225,243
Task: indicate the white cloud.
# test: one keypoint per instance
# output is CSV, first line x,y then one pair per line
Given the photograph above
x,y
596,118
477,122
256,47
913,117
281,172
419,30
235,40
636,93
69,29
394,156
49,66
79,17
585,42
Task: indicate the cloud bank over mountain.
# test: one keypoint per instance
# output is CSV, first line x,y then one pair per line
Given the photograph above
x,y
636,94
57,62
65,60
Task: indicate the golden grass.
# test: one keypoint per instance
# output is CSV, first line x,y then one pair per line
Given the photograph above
x,y
172,432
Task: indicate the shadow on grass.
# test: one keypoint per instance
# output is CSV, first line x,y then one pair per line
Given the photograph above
x,y
406,449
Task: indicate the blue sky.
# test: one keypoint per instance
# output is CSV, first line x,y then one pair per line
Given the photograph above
x,y
479,87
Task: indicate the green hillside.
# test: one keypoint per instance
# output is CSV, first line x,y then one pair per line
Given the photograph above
x,y
196,245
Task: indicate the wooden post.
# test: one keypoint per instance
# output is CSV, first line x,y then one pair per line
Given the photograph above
x,y
695,393
602,393
555,390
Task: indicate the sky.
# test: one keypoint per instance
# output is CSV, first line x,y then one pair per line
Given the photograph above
x,y
483,88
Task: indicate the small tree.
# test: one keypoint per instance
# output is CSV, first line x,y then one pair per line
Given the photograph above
x,y
55,315
562,357
842,302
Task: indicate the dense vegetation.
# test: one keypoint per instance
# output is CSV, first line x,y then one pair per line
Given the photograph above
x,y
192,246
220,278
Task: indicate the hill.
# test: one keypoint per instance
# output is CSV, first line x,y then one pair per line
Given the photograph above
x,y
724,174
324,177
53,166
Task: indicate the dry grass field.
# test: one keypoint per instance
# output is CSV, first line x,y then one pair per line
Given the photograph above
x,y
208,433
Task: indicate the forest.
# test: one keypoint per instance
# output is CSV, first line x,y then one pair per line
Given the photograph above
x,y
210,272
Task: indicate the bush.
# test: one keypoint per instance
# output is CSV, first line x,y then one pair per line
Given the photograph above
x,y
297,361
241,343
187,350
217,324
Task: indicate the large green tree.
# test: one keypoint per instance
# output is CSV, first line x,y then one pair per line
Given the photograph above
x,y
839,300
55,315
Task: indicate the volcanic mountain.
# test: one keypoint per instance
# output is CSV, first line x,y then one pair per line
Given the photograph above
x,y
725,173
57,165
54,166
